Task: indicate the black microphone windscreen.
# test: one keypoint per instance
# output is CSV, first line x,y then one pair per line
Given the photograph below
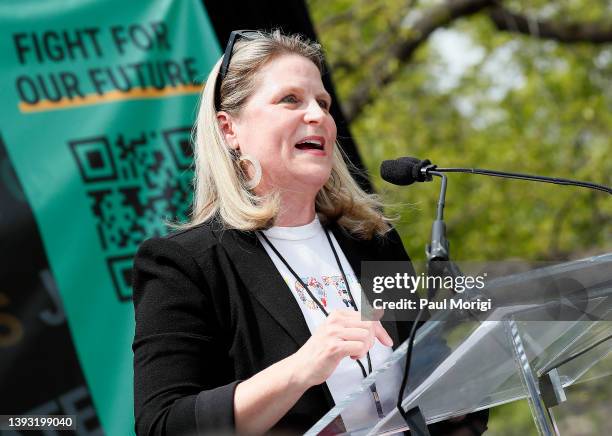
x,y
403,171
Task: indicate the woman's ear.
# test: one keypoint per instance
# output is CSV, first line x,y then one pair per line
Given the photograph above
x,y
228,129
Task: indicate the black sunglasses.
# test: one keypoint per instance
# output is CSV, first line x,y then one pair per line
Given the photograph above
x,y
227,56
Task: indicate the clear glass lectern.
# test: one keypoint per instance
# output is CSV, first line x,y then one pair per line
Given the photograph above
x,y
533,345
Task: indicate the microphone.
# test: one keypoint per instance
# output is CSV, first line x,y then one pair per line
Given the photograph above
x,y
405,171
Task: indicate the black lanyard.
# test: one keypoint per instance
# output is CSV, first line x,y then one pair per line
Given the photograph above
x,y
322,308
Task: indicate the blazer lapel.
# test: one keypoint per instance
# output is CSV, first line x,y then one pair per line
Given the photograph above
x,y
264,281
357,251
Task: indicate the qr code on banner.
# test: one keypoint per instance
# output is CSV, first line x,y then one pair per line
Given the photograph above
x,y
134,182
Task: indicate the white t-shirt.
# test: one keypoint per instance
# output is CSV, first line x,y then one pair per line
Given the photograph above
x,y
306,249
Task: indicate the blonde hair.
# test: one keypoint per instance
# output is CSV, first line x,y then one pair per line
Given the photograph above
x,y
220,183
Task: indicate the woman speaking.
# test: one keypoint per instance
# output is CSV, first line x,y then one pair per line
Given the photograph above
x,y
247,319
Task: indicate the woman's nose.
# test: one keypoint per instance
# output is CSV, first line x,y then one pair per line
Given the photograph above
x,y
314,113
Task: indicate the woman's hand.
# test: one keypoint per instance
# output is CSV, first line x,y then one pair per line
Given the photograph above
x,y
342,334
263,399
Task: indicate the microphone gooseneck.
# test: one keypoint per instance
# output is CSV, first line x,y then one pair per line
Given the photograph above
x,y
407,170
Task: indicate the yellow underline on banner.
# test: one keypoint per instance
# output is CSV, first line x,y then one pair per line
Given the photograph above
x,y
112,96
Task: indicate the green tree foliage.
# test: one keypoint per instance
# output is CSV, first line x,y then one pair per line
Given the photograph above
x,y
522,86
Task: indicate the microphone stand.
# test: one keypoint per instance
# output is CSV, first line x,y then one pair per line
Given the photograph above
x,y
438,265
438,250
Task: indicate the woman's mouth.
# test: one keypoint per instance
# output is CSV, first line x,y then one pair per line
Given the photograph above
x,y
312,144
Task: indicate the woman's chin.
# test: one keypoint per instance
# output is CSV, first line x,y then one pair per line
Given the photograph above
x,y
313,179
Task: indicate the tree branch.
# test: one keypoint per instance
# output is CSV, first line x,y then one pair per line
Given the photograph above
x,y
379,43
334,20
347,15
571,32
402,50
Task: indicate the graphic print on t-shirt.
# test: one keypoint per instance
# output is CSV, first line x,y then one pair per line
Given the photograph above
x,y
315,288
338,283
321,288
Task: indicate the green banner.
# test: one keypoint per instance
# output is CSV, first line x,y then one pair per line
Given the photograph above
x,y
98,100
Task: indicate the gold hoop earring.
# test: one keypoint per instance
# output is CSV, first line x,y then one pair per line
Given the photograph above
x,y
252,183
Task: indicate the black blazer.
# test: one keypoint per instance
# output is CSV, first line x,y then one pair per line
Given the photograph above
x,y
211,310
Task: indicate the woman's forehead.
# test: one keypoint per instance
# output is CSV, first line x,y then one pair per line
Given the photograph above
x,y
290,71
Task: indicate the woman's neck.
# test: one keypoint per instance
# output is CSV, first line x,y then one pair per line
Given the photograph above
x,y
296,210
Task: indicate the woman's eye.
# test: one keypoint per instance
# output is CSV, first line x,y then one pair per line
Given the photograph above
x,y
289,99
324,104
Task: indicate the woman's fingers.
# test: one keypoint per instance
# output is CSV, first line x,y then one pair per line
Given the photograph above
x,y
356,334
382,335
352,320
354,349
342,335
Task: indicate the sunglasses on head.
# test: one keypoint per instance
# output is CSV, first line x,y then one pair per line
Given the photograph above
x,y
227,56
